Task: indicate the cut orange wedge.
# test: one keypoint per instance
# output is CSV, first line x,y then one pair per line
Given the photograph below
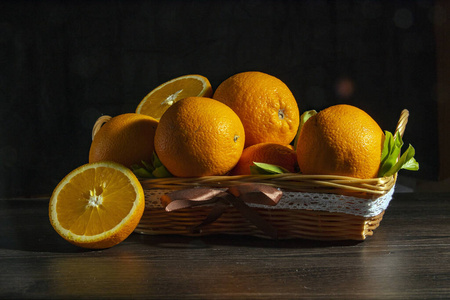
x,y
161,98
97,205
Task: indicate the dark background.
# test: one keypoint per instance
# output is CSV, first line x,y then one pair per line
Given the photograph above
x,y
65,63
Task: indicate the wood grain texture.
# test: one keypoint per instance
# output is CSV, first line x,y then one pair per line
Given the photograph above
x,y
408,257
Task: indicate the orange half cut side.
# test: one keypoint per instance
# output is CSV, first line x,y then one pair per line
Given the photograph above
x,y
161,98
97,205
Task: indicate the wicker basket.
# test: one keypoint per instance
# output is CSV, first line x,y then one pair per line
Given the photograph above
x,y
296,219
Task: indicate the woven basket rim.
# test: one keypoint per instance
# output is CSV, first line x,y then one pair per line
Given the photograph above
x,y
374,187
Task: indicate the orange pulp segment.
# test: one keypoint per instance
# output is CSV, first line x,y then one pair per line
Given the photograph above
x,y
97,205
161,98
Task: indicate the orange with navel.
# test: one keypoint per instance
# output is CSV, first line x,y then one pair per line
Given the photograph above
x,y
270,153
127,139
340,140
199,136
265,105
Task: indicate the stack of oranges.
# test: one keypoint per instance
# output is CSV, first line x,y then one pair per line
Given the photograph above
x,y
194,132
251,116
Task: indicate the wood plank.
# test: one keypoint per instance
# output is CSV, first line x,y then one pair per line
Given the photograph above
x,y
408,257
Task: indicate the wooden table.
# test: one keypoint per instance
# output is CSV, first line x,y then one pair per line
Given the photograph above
x,y
408,257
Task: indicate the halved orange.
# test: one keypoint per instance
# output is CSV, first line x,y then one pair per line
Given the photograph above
x,y
161,98
97,205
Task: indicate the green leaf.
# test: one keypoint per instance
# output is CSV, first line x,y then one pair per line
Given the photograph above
x,y
390,153
141,171
390,163
147,165
259,168
303,118
156,162
406,161
155,169
161,172
388,139
411,165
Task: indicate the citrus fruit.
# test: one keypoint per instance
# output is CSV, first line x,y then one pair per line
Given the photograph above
x,y
127,139
161,98
265,105
340,140
97,205
199,136
270,153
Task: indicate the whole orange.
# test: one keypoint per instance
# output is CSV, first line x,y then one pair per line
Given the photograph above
x,y
270,153
265,105
340,140
199,136
126,139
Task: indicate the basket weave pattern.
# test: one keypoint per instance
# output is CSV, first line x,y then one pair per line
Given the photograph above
x,y
289,223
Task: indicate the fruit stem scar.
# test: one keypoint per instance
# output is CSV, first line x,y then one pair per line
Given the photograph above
x,y
171,98
281,114
94,199
236,137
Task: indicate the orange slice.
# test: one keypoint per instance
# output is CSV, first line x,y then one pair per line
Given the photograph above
x,y
161,98
97,205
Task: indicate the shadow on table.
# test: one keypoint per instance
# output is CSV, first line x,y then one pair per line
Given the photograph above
x,y
183,242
